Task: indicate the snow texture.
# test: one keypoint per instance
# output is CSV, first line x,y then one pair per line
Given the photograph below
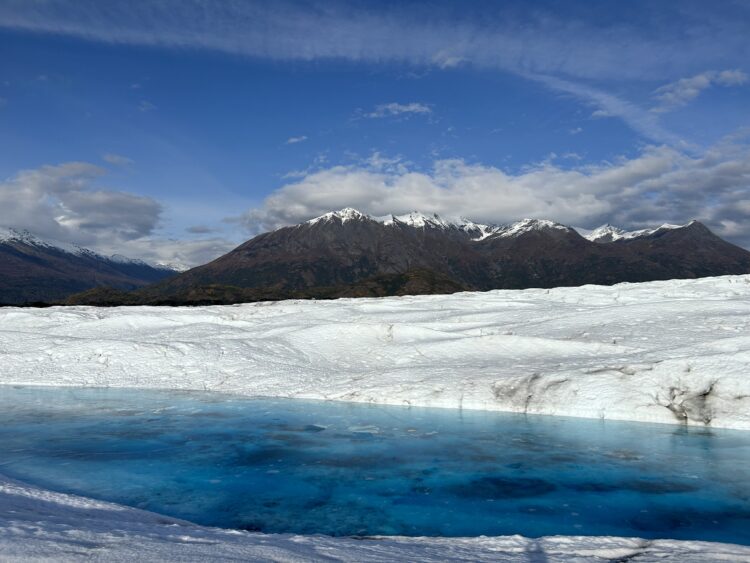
x,y
41,525
672,351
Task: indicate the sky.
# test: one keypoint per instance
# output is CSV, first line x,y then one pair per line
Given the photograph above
x,y
173,130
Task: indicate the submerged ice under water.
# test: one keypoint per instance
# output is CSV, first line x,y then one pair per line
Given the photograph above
x,y
351,469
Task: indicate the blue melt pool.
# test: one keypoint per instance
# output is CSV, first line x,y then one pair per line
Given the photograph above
x,y
346,469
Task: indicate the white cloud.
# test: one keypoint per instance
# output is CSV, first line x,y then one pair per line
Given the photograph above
x,y
295,140
660,185
681,92
64,203
396,109
117,159
515,40
575,130
184,252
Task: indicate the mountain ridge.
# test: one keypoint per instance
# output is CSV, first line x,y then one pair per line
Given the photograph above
x,y
347,253
33,269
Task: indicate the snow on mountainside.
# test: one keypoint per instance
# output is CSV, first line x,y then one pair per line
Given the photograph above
x,y
416,219
420,220
178,267
8,235
609,233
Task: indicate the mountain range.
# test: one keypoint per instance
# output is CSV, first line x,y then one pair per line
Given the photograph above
x,y
33,270
347,253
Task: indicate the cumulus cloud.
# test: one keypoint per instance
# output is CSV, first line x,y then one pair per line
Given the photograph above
x,y
116,159
61,202
295,140
681,92
65,203
396,109
659,185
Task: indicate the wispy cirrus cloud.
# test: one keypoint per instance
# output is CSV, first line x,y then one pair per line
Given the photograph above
x,y
573,54
605,104
430,34
395,109
681,92
117,159
295,140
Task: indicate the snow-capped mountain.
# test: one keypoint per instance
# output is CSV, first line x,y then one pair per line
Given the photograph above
x,y
609,233
37,270
418,220
10,235
350,253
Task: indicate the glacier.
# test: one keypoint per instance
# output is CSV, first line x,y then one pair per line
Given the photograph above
x,y
671,351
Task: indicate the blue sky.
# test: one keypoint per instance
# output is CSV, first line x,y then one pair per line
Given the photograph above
x,y
172,130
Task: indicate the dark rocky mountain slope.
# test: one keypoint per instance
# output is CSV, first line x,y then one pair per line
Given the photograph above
x,y
350,254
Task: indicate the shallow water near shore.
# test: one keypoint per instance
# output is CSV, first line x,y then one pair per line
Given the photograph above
x,y
310,467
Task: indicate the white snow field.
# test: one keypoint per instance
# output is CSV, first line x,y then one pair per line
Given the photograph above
x,y
675,351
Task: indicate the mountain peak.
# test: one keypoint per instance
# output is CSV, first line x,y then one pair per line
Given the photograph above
x,y
419,220
8,234
529,225
605,233
477,231
343,215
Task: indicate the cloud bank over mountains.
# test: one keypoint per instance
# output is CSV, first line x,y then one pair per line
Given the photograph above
x,y
659,185
65,203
